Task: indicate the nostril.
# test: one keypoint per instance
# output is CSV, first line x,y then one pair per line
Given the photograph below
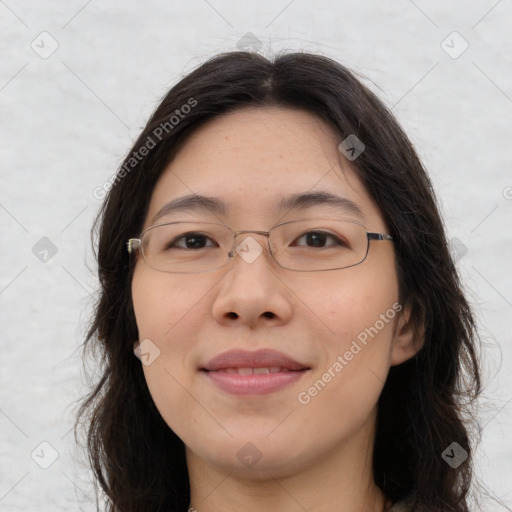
x,y
269,314
231,314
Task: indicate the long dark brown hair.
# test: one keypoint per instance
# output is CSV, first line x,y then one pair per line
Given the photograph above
x,y
426,403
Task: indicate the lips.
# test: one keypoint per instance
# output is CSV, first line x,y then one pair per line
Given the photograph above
x,y
264,371
265,358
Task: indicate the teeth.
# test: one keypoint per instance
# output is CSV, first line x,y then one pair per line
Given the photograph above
x,y
251,371
261,370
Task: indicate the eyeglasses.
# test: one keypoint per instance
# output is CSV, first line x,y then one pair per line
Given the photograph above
x,y
305,245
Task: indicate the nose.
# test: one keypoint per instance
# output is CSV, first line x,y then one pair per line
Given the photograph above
x,y
252,293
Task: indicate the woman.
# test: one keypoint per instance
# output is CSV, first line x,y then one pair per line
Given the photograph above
x,y
272,253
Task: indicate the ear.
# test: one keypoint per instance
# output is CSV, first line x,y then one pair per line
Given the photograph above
x,y
408,339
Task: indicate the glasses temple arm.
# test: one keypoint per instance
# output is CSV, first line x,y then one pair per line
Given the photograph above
x,y
133,244
379,236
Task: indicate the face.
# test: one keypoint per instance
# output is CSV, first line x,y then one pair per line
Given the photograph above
x,y
344,327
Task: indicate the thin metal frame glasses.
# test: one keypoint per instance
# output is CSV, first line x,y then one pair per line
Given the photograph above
x,y
352,242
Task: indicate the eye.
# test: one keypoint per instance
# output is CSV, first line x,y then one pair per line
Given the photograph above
x,y
318,239
192,240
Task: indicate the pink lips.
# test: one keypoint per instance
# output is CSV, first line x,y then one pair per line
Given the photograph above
x,y
252,373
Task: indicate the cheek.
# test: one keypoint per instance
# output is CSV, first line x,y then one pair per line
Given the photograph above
x,y
165,315
167,320
169,312
360,313
161,302
343,391
351,303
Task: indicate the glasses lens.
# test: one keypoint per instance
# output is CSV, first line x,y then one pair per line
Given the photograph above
x,y
319,244
187,247
303,245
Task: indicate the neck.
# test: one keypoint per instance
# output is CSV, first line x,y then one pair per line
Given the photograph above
x,y
342,476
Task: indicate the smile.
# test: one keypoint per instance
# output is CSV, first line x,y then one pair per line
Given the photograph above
x,y
242,372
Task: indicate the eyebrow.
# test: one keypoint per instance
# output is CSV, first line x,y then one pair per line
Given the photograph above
x,y
306,200
300,201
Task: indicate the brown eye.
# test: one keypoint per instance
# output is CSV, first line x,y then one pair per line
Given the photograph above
x,y
318,239
192,241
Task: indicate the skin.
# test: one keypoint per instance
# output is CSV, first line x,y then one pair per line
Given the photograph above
x,y
315,456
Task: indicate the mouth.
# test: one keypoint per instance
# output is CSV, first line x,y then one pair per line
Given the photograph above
x,y
248,370
241,372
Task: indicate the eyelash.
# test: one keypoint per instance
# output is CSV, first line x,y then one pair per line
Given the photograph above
x,y
338,241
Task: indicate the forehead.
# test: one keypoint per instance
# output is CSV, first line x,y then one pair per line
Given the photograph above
x,y
253,158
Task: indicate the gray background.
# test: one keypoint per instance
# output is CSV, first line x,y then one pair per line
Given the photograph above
x,y
69,117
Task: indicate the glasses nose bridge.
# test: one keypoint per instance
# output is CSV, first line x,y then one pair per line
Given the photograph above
x,y
236,233
259,232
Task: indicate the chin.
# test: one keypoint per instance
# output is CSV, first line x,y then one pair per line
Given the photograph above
x,y
256,457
